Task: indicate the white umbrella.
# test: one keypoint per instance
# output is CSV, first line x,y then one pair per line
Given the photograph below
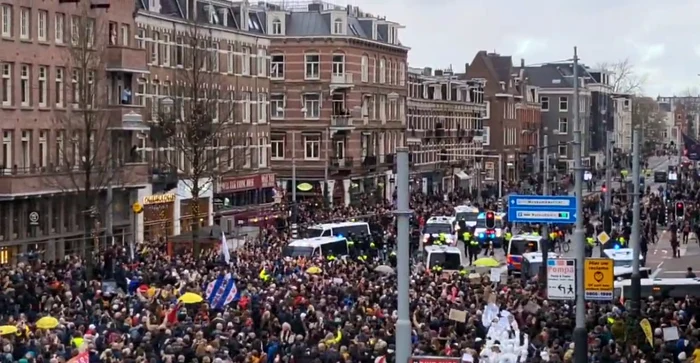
x,y
384,269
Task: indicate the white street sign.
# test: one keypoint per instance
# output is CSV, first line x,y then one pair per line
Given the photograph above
x,y
561,279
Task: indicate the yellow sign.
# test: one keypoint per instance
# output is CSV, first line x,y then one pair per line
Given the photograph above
x,y
137,208
646,328
159,198
603,237
600,279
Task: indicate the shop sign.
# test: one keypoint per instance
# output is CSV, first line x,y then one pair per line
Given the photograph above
x,y
252,182
159,198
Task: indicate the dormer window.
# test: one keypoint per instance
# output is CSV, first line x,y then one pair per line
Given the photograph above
x,y
213,16
338,26
276,27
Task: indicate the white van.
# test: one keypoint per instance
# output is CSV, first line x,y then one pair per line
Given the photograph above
x,y
622,257
317,247
449,258
342,229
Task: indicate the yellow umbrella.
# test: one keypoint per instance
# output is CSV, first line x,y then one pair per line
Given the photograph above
x,y
486,262
47,322
190,298
313,270
8,329
305,187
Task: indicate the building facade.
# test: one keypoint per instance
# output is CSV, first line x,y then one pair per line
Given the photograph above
x,y
337,100
234,70
64,139
528,114
622,131
445,123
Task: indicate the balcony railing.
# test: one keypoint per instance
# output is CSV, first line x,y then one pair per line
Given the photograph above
x,y
369,161
342,79
341,163
342,121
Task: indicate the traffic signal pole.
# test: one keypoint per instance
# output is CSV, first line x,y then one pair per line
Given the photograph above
x,y
608,170
636,283
545,229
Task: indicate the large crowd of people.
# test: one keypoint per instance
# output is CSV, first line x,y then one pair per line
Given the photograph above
x,y
300,310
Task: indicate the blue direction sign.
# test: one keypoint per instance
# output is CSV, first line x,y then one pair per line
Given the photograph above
x,y
542,209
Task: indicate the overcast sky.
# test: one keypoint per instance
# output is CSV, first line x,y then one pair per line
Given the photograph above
x,y
658,37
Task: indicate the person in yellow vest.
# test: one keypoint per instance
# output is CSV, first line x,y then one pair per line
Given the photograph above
x,y
473,250
436,269
362,258
506,238
622,242
330,258
442,237
590,244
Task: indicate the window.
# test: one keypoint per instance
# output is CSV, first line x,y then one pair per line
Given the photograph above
x,y
248,152
312,64
59,26
312,104
277,147
562,151
544,101
486,136
338,27
262,63
155,51
126,41
364,66
246,62
487,115
276,106
375,74
312,147
59,87
262,152
90,32
338,65
7,160
276,27
563,104
25,20
262,108
42,25
246,107
26,149
75,85
74,29
229,59
25,88
165,50
215,57
402,74
59,147
43,150
6,84
563,125
277,66
382,70
141,38
43,87
6,20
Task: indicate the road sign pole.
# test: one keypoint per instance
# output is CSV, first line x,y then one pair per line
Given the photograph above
x,y
635,288
545,227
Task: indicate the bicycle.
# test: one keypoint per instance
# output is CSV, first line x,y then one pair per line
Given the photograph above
x,y
564,245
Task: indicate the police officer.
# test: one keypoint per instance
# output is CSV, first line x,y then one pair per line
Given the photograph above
x,y
472,250
442,237
506,239
590,244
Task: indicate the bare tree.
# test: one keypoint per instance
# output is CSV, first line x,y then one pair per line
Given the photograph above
x,y
624,78
86,159
197,123
648,117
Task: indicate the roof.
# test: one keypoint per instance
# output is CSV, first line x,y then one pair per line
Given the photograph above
x,y
231,11
442,249
482,215
315,242
338,225
466,208
658,282
555,75
440,219
537,256
527,237
665,107
618,254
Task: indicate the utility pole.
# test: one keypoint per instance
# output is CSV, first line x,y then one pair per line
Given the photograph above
x,y
538,154
608,169
109,223
327,193
295,211
403,213
545,227
580,333
636,229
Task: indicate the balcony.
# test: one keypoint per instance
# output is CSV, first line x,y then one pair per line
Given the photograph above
x,y
342,123
164,176
125,59
126,117
389,159
345,163
369,162
341,81
37,180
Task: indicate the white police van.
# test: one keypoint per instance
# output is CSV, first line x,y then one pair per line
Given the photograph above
x,y
342,229
466,213
531,263
317,247
519,245
660,288
494,235
622,257
449,258
437,225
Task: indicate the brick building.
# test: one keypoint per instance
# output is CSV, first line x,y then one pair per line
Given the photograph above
x,y
527,112
337,99
62,124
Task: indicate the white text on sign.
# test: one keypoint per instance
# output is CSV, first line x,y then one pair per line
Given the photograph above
x,y
543,202
540,215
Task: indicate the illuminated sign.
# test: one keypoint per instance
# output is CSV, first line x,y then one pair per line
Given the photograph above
x,y
159,198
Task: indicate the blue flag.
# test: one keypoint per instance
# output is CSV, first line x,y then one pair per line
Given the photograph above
x,y
222,291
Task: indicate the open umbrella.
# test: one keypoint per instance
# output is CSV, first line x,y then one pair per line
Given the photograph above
x,y
313,270
384,269
486,262
8,329
190,298
305,187
47,322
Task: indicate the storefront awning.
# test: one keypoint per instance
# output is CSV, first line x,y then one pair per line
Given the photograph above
x,y
462,175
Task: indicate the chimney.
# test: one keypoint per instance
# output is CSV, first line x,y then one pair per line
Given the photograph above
x,y
349,9
466,67
243,23
427,71
438,72
522,62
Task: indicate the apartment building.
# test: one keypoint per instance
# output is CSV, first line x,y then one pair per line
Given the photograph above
x,y
234,71
622,134
337,99
528,114
445,124
65,135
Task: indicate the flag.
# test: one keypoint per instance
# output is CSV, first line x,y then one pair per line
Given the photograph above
x,y
224,248
222,292
691,147
132,285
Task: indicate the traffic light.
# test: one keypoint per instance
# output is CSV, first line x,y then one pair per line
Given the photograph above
x,y
680,209
604,188
607,222
490,220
